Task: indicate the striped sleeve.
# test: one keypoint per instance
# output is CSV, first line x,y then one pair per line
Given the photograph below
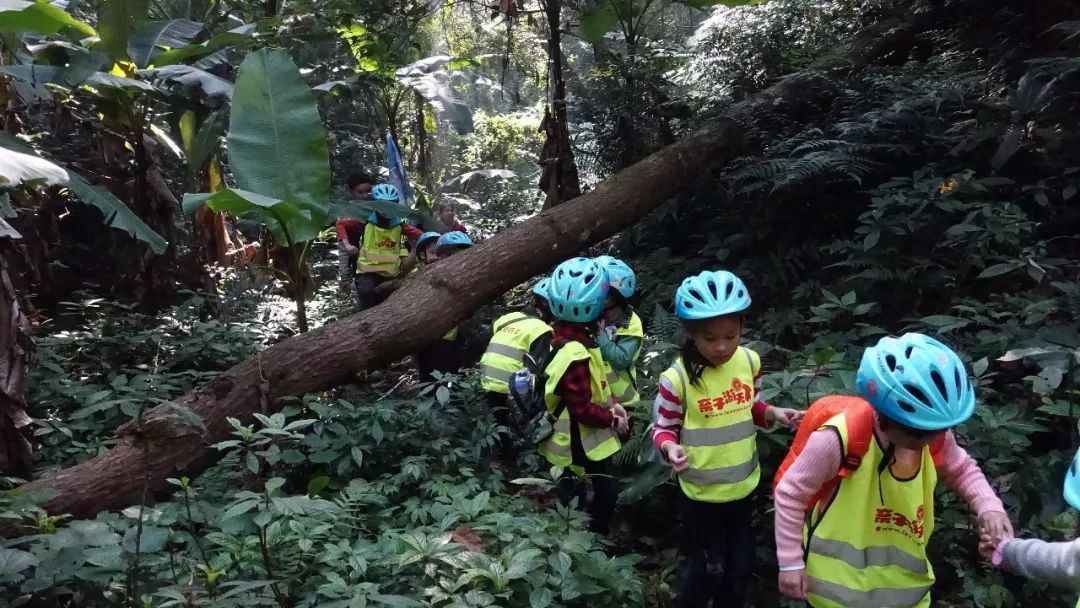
x,y
667,413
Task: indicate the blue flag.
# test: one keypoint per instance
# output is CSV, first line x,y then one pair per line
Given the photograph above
x,y
397,170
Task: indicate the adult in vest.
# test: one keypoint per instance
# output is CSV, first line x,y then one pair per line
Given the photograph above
x,y
587,419
381,250
514,336
707,409
350,230
621,333
1043,562
865,546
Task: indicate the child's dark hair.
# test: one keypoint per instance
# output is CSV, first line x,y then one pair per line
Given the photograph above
x,y
445,206
695,362
360,177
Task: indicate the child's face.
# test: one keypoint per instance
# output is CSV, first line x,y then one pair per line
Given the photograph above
x,y
427,253
718,338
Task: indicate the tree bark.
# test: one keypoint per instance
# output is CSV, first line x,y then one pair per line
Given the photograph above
x,y
174,439
16,456
559,179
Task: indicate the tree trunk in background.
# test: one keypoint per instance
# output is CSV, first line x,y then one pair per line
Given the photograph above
x,y
16,456
421,140
559,178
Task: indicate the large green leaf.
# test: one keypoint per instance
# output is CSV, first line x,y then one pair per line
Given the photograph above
x,y
287,221
235,37
17,168
117,214
361,210
71,76
39,17
146,42
191,77
116,22
277,145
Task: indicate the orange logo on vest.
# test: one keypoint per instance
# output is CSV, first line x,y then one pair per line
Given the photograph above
x,y
740,393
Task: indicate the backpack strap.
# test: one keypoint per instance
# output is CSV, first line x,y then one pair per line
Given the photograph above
x,y
860,432
937,449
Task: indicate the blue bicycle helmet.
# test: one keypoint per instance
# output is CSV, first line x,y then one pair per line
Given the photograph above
x,y
385,192
711,294
577,290
916,381
541,287
1072,484
451,239
426,238
620,275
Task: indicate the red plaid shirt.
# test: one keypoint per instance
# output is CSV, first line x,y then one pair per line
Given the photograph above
x,y
575,386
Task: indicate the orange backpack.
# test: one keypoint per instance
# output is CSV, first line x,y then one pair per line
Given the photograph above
x,y
859,415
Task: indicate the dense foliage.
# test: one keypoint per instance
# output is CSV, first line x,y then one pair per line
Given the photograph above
x,y
935,190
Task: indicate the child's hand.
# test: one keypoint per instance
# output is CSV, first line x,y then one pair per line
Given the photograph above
x,y
987,546
676,455
996,526
793,584
784,415
621,423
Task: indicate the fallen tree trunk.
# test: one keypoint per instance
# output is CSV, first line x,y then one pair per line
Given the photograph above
x,y
174,439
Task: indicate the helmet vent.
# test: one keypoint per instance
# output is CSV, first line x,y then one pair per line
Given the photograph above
x,y
712,287
939,382
697,295
907,407
730,288
917,393
891,362
959,382
907,352
1072,468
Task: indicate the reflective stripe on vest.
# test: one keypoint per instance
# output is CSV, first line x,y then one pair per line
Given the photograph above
x,y
513,335
380,250
623,382
868,548
718,429
597,444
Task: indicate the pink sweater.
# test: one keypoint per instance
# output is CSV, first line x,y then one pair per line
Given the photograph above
x,y
819,462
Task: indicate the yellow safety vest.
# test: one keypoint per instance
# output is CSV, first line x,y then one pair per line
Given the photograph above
x,y
597,444
868,548
380,250
624,382
512,336
718,429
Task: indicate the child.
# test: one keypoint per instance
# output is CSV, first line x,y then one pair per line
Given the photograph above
x,y
1055,563
461,346
381,251
704,421
576,392
451,243
514,335
425,247
866,540
620,334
